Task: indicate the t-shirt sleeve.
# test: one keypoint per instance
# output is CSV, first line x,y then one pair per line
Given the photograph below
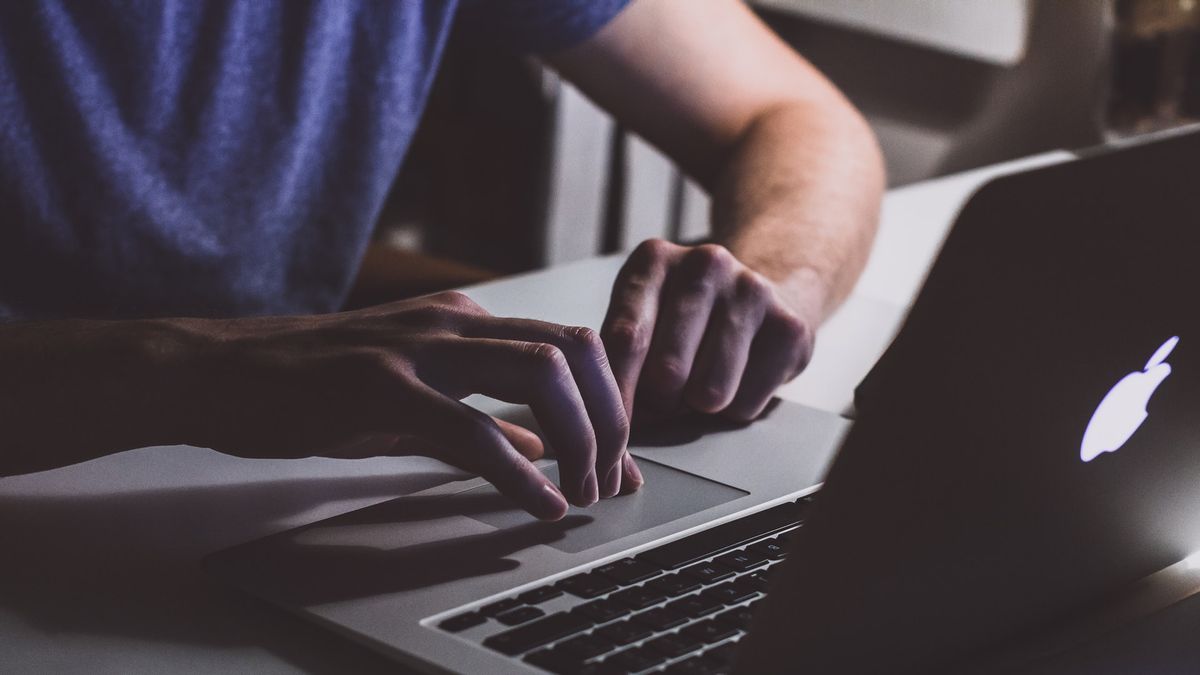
x,y
540,26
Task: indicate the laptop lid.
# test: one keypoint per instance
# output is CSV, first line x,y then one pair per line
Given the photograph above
x,y
965,505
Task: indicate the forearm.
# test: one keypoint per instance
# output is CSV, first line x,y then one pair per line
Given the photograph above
x,y
75,390
798,201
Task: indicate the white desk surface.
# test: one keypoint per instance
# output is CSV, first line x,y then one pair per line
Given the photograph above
x,y
100,563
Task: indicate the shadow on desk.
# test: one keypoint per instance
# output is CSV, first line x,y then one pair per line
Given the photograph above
x,y
129,565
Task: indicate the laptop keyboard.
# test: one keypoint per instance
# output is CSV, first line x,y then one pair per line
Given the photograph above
x,y
677,608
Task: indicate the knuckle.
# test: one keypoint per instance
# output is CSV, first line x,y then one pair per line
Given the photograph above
x,y
798,337
447,311
457,300
710,257
584,338
738,317
668,373
751,286
433,315
793,329
633,284
707,397
623,426
652,250
547,358
626,337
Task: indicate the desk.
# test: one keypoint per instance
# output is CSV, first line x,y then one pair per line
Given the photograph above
x,y
100,566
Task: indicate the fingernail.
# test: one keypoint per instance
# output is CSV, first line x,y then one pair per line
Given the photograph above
x,y
591,490
633,475
552,505
612,481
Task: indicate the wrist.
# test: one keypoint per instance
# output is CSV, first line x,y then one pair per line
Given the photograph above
x,y
148,370
75,390
175,365
807,293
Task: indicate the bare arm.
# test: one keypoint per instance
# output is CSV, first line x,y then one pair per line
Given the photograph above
x,y
384,380
796,178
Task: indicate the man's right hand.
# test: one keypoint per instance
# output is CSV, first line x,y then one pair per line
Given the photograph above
x,y
384,380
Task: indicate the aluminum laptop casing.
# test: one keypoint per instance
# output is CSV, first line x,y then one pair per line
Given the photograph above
x,y
387,574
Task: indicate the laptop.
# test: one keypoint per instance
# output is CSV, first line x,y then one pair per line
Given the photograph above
x,y
963,506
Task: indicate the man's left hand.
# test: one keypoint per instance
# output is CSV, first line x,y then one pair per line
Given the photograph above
x,y
692,328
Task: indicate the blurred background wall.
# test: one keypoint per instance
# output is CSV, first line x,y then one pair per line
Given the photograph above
x,y
513,169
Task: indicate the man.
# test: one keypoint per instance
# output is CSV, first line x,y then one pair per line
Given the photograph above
x,y
226,161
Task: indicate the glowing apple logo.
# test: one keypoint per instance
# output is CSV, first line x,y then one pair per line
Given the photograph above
x,y
1124,407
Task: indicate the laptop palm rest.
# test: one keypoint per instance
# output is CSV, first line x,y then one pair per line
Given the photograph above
x,y
671,494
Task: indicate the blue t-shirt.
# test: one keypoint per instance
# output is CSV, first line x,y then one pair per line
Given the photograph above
x,y
218,158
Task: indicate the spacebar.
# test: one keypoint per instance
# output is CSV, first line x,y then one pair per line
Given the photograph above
x,y
716,539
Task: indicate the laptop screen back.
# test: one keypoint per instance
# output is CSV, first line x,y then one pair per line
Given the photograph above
x,y
966,505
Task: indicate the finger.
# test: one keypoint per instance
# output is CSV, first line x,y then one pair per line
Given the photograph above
x,y
389,445
523,440
593,376
629,324
536,374
473,441
684,309
780,351
725,350
632,479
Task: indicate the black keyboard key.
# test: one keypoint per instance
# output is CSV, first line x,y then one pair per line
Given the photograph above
x,y
462,622
634,660
714,540
661,618
728,593
673,585
628,571
539,595
540,632
554,661
708,572
675,645
694,666
696,605
500,607
602,611
624,632
587,586
710,631
585,647
738,617
756,580
519,615
638,597
747,585
740,561
771,548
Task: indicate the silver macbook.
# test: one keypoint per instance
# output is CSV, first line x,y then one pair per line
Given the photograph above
x,y
1028,444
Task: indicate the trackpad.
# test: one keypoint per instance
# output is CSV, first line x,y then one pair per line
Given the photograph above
x,y
668,494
